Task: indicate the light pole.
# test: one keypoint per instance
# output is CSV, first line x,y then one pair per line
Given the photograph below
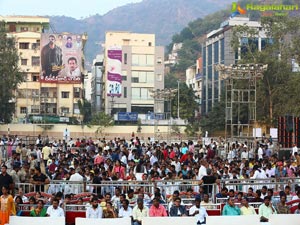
x,y
178,117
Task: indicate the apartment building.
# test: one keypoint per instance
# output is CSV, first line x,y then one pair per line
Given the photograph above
x,y
134,68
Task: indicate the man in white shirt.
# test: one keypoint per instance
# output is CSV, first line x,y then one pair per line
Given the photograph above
x,y
260,152
198,211
125,210
202,171
139,212
244,154
54,210
295,149
95,211
76,188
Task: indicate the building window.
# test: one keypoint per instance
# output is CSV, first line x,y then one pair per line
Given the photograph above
x,y
135,80
35,77
141,94
35,46
35,109
159,60
124,78
142,77
77,92
76,109
142,60
35,60
24,62
65,94
23,110
125,58
149,43
65,110
23,45
24,29
125,92
12,28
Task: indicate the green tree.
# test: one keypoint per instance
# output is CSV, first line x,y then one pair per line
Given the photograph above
x,y
10,74
188,104
102,120
85,110
215,119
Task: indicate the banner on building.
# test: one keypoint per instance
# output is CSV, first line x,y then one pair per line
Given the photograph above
x,y
61,58
114,71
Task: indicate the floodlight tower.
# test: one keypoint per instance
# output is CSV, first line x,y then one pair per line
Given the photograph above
x,y
240,97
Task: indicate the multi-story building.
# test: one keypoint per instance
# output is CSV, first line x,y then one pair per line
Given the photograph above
x,y
193,76
217,49
38,95
139,65
97,85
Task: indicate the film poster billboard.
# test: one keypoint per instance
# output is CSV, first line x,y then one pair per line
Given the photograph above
x,y
114,71
61,58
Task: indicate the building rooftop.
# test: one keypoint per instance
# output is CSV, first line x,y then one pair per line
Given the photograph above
x,y
25,19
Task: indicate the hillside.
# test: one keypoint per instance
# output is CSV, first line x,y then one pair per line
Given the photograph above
x,y
162,17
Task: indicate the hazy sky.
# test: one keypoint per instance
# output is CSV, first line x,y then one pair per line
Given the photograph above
x,y
72,8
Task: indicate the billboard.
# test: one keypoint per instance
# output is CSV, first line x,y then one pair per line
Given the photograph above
x,y
127,116
61,58
114,71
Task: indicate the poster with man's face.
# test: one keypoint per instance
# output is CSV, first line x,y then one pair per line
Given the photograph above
x,y
61,57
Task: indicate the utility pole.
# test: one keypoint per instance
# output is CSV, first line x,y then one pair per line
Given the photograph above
x,y
178,117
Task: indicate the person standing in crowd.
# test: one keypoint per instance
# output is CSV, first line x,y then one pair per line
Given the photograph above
x,y
139,212
39,210
5,179
7,205
198,211
157,210
76,177
230,209
46,151
39,179
54,210
95,211
266,209
246,209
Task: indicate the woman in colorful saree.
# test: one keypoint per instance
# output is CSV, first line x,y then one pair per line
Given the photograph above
x,y
7,206
39,210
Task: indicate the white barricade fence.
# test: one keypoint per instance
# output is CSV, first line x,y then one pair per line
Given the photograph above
x,y
85,221
169,220
18,220
233,220
280,219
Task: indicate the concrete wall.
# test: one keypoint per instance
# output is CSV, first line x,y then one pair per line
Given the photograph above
x,y
57,130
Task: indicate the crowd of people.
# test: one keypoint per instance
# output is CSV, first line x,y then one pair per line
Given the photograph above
x,y
51,166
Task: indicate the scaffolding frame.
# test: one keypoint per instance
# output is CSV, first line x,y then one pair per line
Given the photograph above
x,y
240,97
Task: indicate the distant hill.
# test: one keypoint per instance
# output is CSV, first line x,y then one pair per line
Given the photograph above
x,y
162,17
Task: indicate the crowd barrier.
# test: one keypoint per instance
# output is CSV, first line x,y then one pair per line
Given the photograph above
x,y
167,187
210,220
85,221
169,220
17,220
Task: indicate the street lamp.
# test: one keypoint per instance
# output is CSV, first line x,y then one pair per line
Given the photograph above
x,y
178,117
